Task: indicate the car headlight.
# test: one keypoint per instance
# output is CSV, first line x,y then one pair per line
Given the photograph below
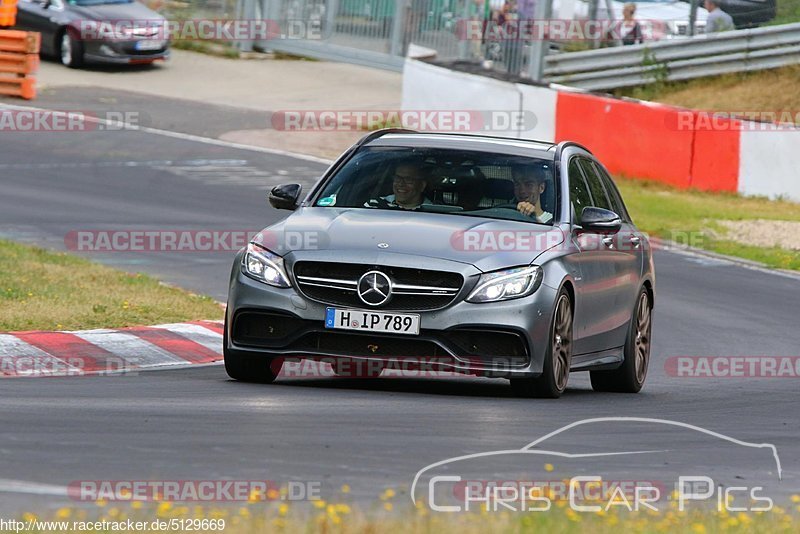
x,y
264,266
507,284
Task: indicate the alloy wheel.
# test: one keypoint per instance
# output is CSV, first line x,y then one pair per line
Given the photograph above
x,y
562,342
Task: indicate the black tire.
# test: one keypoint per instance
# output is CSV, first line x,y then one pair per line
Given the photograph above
x,y
630,376
245,368
345,368
70,50
555,372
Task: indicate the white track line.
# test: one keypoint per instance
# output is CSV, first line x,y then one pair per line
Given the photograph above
x,y
175,135
32,488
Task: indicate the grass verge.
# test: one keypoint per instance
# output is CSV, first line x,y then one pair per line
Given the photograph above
x,y
42,290
388,517
768,90
691,218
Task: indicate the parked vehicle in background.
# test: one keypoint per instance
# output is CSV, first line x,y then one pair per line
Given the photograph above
x,y
659,19
63,25
749,13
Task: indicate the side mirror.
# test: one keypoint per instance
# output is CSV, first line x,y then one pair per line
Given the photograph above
x,y
285,196
599,221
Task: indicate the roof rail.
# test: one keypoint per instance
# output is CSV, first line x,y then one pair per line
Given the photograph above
x,y
564,144
380,133
459,134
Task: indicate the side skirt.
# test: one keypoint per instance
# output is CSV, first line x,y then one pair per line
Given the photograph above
x,y
598,361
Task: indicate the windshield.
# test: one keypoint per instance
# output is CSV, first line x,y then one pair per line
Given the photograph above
x,y
454,182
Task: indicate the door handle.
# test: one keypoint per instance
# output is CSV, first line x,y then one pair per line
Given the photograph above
x,y
608,242
636,241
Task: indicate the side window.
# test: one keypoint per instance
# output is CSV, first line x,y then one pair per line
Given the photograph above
x,y
595,185
579,195
613,193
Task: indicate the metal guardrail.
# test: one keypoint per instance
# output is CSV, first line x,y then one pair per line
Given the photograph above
x,y
706,55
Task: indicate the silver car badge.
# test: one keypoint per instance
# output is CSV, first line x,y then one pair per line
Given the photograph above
x,y
374,288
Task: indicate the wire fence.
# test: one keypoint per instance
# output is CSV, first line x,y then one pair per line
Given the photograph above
x,y
379,33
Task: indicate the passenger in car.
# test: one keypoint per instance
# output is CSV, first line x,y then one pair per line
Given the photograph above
x,y
529,184
408,185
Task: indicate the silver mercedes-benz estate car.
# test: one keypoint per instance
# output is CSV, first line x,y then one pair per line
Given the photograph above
x,y
495,257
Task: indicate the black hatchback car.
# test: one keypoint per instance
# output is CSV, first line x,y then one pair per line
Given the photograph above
x,y
97,31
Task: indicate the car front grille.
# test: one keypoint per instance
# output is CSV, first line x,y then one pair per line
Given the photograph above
x,y
412,289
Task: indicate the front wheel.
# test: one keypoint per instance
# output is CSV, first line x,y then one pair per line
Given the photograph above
x,y
555,372
71,51
629,377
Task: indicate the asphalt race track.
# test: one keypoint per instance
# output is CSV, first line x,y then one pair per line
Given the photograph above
x,y
371,434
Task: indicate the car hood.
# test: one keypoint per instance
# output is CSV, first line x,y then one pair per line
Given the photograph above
x,y
132,12
487,244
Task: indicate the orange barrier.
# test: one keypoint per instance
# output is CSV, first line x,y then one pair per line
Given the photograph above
x,y
715,166
630,138
19,59
19,63
20,42
21,87
8,12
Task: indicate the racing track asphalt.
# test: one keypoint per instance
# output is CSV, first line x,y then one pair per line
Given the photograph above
x,y
197,424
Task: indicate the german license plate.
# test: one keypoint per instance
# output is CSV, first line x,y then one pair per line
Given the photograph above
x,y
369,321
149,44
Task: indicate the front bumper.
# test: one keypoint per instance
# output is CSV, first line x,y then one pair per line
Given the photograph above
x,y
122,52
494,339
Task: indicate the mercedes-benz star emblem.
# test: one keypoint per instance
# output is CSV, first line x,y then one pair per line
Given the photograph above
x,y
383,245
374,288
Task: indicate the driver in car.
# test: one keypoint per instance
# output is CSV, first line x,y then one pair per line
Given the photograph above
x,y
408,185
529,184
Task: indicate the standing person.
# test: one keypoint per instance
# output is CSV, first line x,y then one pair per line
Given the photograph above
x,y
417,12
718,20
476,14
630,31
508,20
